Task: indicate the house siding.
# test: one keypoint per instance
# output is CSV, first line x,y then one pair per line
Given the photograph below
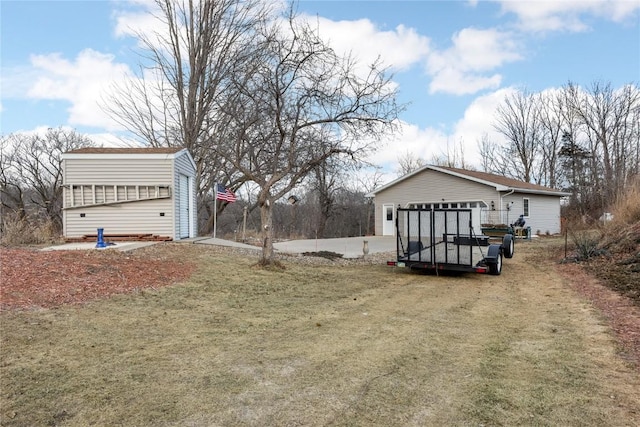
x,y
432,186
544,212
127,218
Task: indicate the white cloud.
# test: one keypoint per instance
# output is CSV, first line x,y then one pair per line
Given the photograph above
x,y
568,15
476,122
140,21
451,80
82,82
431,143
456,70
423,143
399,48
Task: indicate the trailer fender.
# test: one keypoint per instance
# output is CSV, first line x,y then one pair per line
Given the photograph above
x,y
508,246
494,259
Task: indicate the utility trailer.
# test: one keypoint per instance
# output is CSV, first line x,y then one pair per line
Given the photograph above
x,y
445,239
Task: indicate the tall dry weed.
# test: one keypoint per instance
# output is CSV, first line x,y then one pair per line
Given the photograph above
x,y
627,210
622,233
17,231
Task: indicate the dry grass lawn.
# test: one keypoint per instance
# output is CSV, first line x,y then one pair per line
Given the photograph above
x,y
321,346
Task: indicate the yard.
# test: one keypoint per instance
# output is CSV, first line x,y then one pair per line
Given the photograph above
x,y
190,335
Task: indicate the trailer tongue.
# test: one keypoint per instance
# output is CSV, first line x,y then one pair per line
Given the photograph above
x,y
445,239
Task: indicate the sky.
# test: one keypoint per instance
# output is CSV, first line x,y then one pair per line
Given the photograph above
x,y
452,61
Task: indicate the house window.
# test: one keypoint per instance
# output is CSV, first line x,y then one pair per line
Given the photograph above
x,y
389,213
525,207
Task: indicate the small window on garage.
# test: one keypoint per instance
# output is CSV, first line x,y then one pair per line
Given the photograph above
x,y
390,213
525,207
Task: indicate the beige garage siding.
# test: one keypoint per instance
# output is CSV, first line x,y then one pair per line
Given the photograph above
x,y
149,216
431,186
118,171
127,218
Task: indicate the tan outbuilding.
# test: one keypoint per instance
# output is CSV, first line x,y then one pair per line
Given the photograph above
x,y
129,192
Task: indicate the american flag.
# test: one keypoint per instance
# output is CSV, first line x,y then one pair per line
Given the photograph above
x,y
225,194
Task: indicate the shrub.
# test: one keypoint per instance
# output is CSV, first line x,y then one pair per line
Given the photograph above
x,y
17,231
586,243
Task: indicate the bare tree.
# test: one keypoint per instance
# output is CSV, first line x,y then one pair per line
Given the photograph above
x,y
609,120
550,107
491,154
299,105
452,157
368,182
326,180
188,64
32,172
575,160
409,162
517,118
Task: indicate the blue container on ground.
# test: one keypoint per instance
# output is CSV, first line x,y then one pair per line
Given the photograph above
x,y
101,243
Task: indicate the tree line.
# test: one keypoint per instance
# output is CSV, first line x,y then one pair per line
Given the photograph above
x,y
582,140
257,97
265,106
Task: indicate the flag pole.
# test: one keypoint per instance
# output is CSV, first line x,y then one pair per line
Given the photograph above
x,y
215,209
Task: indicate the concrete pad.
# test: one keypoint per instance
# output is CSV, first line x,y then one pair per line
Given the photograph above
x,y
349,247
120,246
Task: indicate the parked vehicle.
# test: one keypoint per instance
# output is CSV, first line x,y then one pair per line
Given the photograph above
x,y
446,239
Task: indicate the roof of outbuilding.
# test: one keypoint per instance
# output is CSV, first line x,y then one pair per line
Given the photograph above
x,y
126,150
501,183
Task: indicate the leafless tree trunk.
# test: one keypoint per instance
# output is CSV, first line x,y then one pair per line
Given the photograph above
x,y
368,183
299,105
325,183
551,122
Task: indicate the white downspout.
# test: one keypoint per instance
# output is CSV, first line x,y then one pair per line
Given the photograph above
x,y
501,204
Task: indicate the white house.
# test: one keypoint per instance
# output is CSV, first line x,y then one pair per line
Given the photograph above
x,y
494,199
129,192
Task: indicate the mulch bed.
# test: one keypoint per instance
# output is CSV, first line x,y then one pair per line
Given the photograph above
x,y
32,279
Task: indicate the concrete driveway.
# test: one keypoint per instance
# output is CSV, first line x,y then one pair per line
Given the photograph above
x,y
349,247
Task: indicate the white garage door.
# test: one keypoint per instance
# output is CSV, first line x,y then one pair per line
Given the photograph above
x,y
183,209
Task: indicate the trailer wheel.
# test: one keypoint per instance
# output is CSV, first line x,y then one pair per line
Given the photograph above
x,y
508,246
495,268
